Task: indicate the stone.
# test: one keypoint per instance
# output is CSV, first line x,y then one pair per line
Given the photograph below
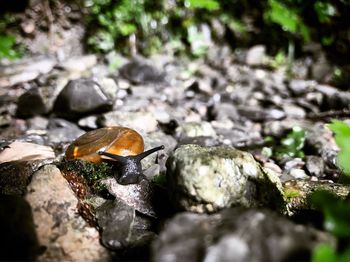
x,y
193,129
81,97
207,179
138,72
79,63
25,151
143,122
236,234
65,236
121,227
36,101
315,166
62,131
256,55
139,196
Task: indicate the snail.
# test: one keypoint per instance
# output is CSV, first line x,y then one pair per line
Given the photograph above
x,y
122,144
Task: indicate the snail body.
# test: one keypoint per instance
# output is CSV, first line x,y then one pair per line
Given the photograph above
x,y
122,144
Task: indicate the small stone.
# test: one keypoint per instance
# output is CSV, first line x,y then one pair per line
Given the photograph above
x,y
79,63
315,166
256,55
195,129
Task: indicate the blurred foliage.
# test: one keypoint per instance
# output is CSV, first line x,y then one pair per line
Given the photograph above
x,y
178,24
336,214
342,138
9,49
289,146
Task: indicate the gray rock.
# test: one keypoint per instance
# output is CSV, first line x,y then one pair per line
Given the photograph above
x,y
36,101
259,114
138,72
25,70
143,122
256,55
89,122
315,166
333,98
65,235
300,87
139,196
193,129
62,131
236,234
121,227
209,179
80,98
78,63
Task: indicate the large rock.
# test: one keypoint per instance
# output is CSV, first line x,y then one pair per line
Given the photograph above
x,y
66,236
81,97
238,235
207,179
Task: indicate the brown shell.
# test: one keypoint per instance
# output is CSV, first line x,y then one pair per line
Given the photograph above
x,y
116,140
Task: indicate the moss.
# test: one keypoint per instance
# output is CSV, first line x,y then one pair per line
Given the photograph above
x,y
92,173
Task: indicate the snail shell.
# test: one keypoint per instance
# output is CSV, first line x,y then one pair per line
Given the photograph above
x,y
115,140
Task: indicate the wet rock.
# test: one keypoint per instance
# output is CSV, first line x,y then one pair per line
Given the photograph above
x,y
256,55
64,235
62,131
141,121
298,193
315,166
236,234
18,238
209,179
109,87
139,196
81,97
138,72
293,111
121,227
37,123
15,176
25,70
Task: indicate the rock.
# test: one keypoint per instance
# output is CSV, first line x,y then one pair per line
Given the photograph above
x,y
236,234
15,176
223,111
300,87
80,98
64,235
143,122
298,193
62,131
25,151
109,87
79,63
25,70
259,114
193,129
89,122
293,111
139,196
333,98
256,55
208,179
18,238
138,72
121,227
33,103
315,166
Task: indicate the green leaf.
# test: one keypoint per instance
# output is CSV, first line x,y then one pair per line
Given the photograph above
x,y
7,47
336,212
210,5
324,253
292,145
342,138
